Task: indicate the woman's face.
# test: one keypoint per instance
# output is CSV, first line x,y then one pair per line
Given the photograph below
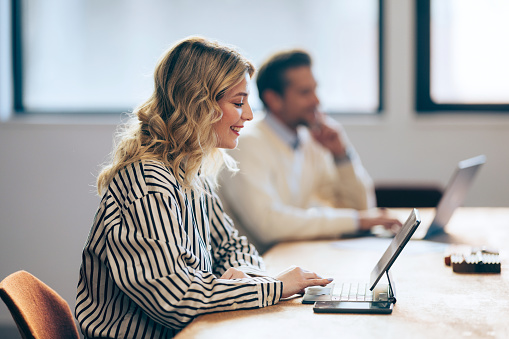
x,y
236,111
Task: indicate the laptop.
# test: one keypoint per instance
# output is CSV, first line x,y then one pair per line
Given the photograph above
x,y
453,196
365,298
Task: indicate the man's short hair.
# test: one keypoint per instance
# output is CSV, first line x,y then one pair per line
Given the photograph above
x,y
271,74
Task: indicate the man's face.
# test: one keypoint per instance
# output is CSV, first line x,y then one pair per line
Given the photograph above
x,y
299,102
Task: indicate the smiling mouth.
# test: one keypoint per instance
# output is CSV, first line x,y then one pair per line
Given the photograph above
x,y
235,129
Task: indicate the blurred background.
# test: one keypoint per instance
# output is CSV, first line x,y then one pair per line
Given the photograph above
x,y
419,85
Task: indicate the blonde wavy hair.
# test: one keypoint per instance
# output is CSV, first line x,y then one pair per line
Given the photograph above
x,y
175,125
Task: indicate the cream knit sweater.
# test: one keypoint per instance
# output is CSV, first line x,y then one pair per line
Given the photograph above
x,y
285,194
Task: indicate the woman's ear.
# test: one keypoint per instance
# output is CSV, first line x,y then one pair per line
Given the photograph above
x,y
273,101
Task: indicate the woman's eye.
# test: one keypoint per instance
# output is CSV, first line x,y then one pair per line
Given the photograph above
x,y
239,105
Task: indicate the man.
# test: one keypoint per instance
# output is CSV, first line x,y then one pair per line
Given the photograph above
x,y
300,177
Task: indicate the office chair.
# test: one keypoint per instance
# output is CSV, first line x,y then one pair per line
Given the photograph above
x,y
38,311
407,195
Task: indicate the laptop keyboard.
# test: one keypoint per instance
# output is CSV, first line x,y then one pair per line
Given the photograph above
x,y
346,291
358,292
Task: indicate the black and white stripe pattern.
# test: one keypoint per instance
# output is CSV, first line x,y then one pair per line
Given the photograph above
x,y
153,257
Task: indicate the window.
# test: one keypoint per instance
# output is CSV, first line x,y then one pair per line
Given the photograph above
x,y
98,56
462,55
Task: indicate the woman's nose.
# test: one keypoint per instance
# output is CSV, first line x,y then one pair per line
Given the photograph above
x,y
247,112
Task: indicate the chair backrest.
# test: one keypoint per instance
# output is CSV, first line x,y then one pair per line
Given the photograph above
x,y
39,311
407,195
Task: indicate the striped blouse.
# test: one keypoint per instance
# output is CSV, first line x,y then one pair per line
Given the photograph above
x,y
154,256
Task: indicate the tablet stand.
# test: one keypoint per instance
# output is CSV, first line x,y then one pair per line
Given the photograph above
x,y
392,287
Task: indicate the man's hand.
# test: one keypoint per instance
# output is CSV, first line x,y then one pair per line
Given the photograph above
x,y
328,133
378,216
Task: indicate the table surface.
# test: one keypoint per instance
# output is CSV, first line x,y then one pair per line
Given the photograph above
x,y
432,300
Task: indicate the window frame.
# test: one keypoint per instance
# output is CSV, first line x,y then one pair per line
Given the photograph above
x,y
17,56
381,25
18,64
424,104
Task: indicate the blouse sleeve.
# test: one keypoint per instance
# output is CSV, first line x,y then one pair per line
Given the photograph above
x,y
229,249
151,261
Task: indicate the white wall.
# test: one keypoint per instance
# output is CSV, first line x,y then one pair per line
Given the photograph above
x,y
47,170
47,201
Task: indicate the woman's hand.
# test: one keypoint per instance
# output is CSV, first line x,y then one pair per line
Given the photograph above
x,y
295,280
233,273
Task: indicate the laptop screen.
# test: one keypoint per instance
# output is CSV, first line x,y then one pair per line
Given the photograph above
x,y
395,247
456,190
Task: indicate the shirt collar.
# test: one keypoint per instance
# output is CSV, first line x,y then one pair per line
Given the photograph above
x,y
288,136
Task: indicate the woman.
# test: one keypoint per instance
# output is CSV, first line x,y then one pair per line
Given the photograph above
x,y
161,250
